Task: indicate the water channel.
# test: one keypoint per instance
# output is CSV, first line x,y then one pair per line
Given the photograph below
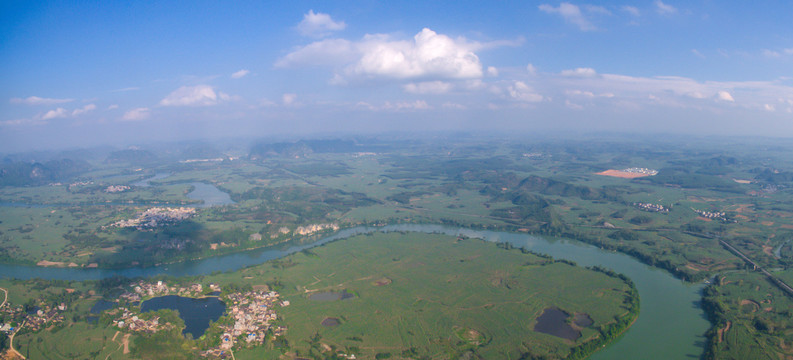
x,y
671,323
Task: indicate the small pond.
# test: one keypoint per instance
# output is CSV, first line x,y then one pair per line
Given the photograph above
x,y
102,305
196,313
330,322
554,322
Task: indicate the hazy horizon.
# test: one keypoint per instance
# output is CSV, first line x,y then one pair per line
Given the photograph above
x,y
79,75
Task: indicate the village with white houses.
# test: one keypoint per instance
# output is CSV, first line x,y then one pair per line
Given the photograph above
x,y
638,170
252,313
714,215
651,207
155,217
34,319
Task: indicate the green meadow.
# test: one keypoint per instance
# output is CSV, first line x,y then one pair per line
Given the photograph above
x,y
432,296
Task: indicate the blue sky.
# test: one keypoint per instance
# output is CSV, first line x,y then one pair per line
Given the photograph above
x,y
76,74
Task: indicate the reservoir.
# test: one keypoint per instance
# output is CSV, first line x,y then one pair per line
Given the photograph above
x,y
671,323
211,195
196,313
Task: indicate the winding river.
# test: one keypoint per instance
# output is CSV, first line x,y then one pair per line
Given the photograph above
x,y
671,323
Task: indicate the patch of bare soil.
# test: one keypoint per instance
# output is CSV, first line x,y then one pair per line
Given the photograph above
x,y
621,174
768,250
383,282
723,331
755,305
125,342
51,263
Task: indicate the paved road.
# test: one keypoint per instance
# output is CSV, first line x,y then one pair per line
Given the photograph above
x,y
782,285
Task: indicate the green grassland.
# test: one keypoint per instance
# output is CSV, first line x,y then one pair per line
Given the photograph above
x,y
752,318
541,186
436,288
415,296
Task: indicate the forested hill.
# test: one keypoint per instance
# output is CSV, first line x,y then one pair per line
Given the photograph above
x,y
18,173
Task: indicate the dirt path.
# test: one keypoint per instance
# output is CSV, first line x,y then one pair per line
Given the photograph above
x,y
5,299
125,342
11,342
114,340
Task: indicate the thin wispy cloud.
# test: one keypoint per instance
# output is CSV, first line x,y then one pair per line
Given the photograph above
x,y
35,100
136,114
580,72
571,14
632,10
397,106
428,87
664,9
289,99
697,53
240,74
131,88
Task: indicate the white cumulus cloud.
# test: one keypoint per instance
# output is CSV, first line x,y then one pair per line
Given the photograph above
x,y
723,95
52,114
319,24
84,109
240,74
428,55
136,114
199,95
35,100
522,92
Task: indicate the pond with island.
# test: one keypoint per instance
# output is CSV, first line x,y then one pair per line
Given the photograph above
x,y
196,313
